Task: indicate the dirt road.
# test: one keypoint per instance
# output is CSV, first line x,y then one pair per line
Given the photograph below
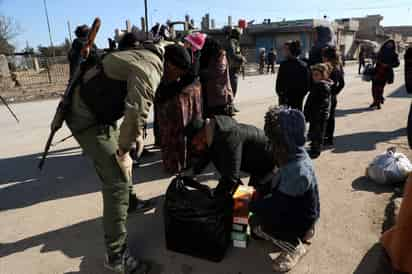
x,y
50,222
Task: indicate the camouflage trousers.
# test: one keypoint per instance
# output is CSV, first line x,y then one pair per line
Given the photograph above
x,y
100,144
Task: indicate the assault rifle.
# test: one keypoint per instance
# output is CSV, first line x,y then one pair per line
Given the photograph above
x,y
65,102
9,108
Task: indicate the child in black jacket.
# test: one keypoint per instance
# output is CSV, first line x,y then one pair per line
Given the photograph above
x,y
317,107
331,56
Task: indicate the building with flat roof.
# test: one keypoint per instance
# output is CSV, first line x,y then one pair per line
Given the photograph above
x,y
270,35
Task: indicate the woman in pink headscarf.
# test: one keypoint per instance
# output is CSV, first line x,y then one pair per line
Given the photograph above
x,y
194,43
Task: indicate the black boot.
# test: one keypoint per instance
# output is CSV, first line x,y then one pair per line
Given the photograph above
x,y
315,150
124,263
328,142
137,206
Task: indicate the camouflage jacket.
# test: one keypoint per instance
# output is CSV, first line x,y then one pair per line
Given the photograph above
x,y
234,55
142,69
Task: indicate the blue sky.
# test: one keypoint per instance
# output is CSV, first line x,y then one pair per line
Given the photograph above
x,y
30,13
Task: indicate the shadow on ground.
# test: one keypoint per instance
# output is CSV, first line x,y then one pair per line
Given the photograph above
x,y
365,184
365,141
146,240
347,112
374,262
400,93
23,185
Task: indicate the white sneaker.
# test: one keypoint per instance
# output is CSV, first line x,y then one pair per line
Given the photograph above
x,y
288,260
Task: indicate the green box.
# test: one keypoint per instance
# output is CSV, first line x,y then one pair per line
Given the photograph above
x,y
239,236
239,228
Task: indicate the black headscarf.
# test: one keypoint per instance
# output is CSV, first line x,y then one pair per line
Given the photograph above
x,y
178,56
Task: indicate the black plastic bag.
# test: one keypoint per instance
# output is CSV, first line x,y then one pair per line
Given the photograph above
x,y
368,73
197,223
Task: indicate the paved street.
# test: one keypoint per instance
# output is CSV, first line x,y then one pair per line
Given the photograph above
x,y
50,222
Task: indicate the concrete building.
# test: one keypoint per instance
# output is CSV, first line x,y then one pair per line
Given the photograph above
x,y
371,29
275,35
269,35
405,31
350,33
346,30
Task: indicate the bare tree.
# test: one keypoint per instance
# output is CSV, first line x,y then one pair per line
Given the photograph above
x,y
9,29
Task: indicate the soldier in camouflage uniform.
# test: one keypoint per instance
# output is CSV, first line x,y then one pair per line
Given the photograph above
x,y
137,73
235,57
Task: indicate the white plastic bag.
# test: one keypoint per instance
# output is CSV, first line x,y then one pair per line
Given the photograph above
x,y
389,168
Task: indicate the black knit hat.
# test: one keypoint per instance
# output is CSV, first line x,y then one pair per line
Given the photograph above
x,y
128,41
82,31
178,56
194,127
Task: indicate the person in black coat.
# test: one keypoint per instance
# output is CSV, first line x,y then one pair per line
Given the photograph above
x,y
74,55
331,56
387,60
271,61
317,107
408,69
408,84
361,60
324,37
293,79
231,147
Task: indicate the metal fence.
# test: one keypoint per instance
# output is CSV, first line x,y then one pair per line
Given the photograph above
x,y
31,71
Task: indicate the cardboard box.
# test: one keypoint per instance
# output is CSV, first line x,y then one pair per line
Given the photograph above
x,y
239,227
244,193
238,236
240,244
242,198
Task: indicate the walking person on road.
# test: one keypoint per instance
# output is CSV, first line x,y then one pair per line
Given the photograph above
x,y
386,60
294,77
236,59
271,61
361,60
262,60
331,56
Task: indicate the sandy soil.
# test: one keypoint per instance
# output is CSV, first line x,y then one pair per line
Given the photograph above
x,y
51,221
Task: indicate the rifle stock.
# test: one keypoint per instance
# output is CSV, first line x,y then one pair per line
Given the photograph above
x,y
63,107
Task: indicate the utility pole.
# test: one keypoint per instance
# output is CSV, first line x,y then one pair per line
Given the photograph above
x,y
146,19
70,31
48,26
